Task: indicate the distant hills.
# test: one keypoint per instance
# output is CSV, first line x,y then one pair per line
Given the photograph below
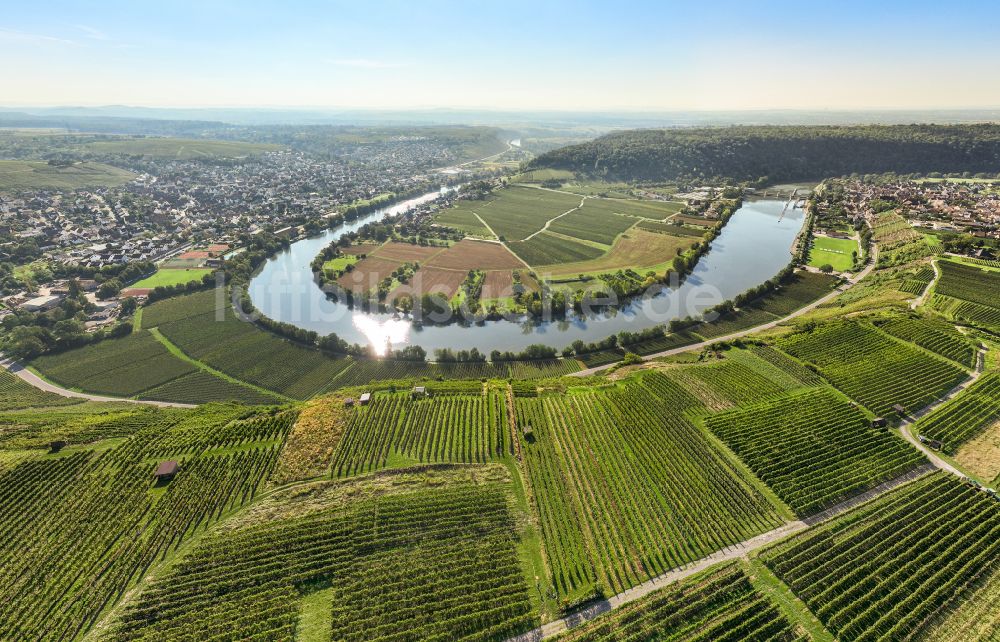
x,y
781,153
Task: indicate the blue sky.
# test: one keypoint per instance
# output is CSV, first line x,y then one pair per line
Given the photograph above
x,y
512,54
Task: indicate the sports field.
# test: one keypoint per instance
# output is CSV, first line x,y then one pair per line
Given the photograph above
x,y
17,175
171,277
827,250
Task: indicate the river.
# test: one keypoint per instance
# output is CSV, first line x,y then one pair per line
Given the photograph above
x,y
753,246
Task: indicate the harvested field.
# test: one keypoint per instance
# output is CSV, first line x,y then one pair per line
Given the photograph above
x,y
529,282
367,273
635,248
405,252
468,254
431,280
981,454
195,254
498,284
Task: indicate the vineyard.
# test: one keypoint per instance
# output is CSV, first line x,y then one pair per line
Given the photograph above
x,y
881,571
941,338
15,394
448,428
740,378
917,281
122,367
142,366
77,424
421,561
898,242
641,506
977,618
969,293
720,604
202,387
77,530
872,368
813,448
804,288
966,416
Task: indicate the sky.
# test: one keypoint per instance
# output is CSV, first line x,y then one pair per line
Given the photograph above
x,y
538,55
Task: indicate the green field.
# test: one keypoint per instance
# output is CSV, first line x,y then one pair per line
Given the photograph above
x,y
171,277
364,566
826,250
27,175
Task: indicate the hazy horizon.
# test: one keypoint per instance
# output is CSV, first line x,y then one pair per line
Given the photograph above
x,y
557,56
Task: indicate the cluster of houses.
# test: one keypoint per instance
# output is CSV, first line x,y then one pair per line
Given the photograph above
x,y
173,202
969,208
51,295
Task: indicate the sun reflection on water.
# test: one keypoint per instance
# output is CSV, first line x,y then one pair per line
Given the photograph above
x,y
382,335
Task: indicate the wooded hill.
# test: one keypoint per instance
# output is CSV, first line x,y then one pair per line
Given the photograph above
x,y
781,153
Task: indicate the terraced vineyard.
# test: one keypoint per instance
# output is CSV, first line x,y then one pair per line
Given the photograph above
x,y
450,428
966,416
883,570
941,338
77,530
625,485
720,604
872,368
421,561
813,448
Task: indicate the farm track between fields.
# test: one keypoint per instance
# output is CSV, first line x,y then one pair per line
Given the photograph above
x,y
904,426
922,299
742,333
737,551
29,377
549,222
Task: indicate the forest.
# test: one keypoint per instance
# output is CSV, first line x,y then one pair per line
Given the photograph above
x,y
767,154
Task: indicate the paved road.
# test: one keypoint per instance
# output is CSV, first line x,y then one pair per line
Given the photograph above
x,y
30,377
742,333
737,551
